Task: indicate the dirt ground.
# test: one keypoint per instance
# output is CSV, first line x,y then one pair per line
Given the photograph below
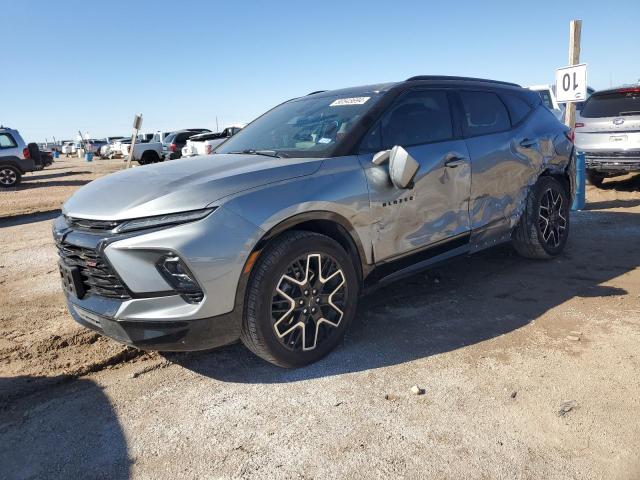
x,y
530,370
46,190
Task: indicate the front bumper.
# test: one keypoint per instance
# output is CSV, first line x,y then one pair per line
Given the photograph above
x,y
162,335
138,307
613,162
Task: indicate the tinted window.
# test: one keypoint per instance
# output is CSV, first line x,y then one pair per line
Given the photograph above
x,y
182,137
6,141
613,104
415,118
484,113
518,108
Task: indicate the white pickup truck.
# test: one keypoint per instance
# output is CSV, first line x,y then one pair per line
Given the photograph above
x,y
205,143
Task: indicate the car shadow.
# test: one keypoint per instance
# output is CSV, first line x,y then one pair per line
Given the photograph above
x,y
467,301
29,218
60,433
605,204
44,176
27,185
627,184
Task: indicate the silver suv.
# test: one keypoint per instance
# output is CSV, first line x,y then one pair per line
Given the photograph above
x,y
271,239
15,158
608,132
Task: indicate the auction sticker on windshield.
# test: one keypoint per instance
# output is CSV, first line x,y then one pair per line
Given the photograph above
x,y
349,101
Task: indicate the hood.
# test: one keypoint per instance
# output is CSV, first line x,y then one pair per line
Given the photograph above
x,y
180,185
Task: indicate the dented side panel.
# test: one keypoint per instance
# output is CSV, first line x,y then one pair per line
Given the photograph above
x,y
436,208
504,168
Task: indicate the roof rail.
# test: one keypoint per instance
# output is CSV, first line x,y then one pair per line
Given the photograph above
x,y
317,91
471,79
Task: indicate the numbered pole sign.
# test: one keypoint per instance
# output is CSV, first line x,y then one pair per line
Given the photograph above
x,y
571,83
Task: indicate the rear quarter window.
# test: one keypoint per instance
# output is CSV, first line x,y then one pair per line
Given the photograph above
x,y
518,108
7,141
484,113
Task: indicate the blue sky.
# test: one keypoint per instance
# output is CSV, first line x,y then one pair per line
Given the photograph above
x,y
70,65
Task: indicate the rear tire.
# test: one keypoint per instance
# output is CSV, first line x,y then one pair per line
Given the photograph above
x,y
301,298
9,176
596,178
148,157
544,226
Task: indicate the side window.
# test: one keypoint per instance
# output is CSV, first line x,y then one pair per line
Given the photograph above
x,y
372,142
6,141
415,118
484,113
518,108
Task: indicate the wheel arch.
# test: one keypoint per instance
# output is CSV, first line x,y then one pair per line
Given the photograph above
x,y
12,161
562,175
331,224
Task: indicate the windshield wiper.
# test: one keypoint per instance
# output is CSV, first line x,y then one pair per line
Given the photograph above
x,y
630,112
264,153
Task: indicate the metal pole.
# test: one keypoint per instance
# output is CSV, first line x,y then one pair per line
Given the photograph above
x,y
575,30
136,128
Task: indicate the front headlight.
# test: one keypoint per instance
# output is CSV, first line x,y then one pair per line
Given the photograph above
x,y
163,220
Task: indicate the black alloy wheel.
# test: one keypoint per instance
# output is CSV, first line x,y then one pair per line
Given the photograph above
x,y
552,217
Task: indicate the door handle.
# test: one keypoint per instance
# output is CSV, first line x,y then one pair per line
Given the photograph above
x,y
528,143
454,161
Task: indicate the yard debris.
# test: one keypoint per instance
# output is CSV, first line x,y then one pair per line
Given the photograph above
x,y
514,394
416,390
566,407
573,338
390,396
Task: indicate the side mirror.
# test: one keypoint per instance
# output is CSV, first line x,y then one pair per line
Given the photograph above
x,y
402,166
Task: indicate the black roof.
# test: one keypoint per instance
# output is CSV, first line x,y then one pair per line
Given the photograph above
x,y
446,78
440,80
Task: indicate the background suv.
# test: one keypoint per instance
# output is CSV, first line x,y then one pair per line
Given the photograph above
x,y
608,132
15,157
172,145
272,239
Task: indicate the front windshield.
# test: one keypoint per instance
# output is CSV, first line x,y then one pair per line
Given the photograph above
x,y
305,127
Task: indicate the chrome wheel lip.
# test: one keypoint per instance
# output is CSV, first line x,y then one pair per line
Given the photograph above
x,y
552,221
8,176
294,304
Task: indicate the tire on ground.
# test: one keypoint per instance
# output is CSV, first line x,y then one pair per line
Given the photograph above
x,y
148,157
528,238
258,333
10,176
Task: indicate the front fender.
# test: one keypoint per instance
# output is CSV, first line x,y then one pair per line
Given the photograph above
x,y
337,191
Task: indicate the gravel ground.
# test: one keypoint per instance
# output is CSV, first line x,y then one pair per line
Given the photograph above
x,y
530,371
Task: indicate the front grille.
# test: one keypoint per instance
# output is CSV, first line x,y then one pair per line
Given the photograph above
x,y
97,275
91,225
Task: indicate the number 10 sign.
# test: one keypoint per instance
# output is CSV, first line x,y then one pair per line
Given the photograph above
x,y
571,83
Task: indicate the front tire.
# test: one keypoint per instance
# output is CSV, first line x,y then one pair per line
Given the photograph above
x,y
544,226
9,176
301,298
